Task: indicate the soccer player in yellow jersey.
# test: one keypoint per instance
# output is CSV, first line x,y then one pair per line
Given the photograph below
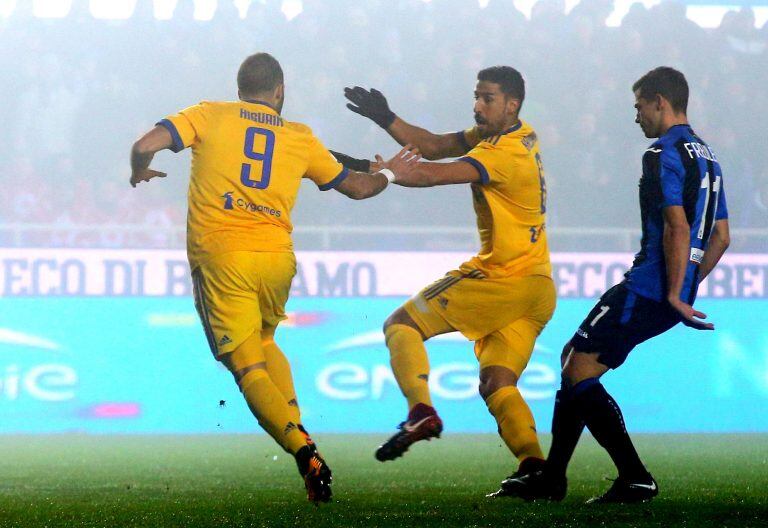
x,y
247,164
501,298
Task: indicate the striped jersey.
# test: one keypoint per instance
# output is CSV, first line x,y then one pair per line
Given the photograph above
x,y
678,169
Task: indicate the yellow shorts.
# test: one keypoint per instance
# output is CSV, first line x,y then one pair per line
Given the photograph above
x,y
241,292
504,316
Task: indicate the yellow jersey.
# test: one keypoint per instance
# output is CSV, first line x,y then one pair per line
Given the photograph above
x,y
510,203
247,165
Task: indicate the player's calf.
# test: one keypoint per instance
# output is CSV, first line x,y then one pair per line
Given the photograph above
x,y
515,421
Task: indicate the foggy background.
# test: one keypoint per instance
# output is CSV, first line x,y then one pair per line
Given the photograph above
x,y
96,312
77,91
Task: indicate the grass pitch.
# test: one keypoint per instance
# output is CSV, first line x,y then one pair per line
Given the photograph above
x,y
234,481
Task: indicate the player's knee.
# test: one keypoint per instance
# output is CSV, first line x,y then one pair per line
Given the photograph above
x,y
394,318
400,317
268,336
495,378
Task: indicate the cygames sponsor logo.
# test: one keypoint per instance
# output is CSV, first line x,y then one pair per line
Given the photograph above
x,y
230,202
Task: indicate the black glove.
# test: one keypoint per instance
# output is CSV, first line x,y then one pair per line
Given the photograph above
x,y
359,165
371,104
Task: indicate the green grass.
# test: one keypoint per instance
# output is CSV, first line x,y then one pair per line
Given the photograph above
x,y
233,481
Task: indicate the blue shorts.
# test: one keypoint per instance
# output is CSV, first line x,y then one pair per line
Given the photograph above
x,y
619,322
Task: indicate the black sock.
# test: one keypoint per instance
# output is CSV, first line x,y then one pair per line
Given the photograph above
x,y
567,426
603,418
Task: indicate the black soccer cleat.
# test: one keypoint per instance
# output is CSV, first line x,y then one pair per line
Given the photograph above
x,y
423,423
316,473
624,491
532,485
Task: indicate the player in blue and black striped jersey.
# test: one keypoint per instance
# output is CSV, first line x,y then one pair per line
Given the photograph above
x,y
679,171
685,232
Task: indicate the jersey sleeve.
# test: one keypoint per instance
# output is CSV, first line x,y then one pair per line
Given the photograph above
x,y
187,127
722,207
671,178
323,168
468,138
482,158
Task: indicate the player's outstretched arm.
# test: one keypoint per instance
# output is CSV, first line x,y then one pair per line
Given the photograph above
x,y
677,247
373,105
362,185
718,243
409,171
355,164
359,165
144,151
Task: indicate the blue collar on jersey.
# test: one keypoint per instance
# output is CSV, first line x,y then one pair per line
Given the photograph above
x,y
256,101
686,125
514,128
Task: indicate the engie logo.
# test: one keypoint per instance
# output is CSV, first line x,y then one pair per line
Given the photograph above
x,y
47,382
450,380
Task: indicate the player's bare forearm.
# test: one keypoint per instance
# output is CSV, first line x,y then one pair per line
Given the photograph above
x,y
144,150
428,174
140,160
140,170
411,172
716,248
432,146
425,174
676,242
361,185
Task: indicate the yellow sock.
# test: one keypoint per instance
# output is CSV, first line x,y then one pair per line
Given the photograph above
x,y
516,424
271,409
279,371
409,361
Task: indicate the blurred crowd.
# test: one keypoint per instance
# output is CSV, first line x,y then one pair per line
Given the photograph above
x,y
78,91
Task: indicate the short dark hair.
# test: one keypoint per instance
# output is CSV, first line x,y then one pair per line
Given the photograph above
x,y
666,82
509,80
259,73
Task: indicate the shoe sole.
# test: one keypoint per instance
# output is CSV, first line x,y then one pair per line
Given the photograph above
x,y
600,500
637,499
527,498
521,493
